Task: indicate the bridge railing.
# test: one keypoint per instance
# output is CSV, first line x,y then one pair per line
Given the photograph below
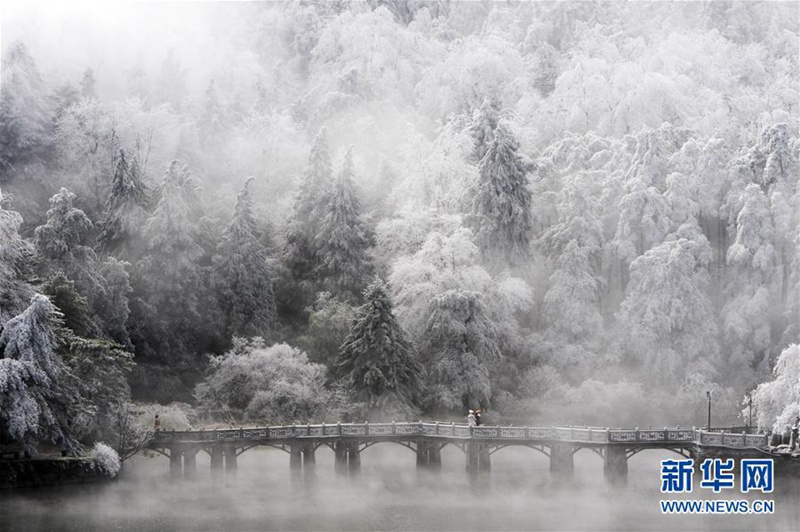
x,y
451,430
726,439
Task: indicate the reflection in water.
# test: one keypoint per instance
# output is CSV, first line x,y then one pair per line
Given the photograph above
x,y
388,495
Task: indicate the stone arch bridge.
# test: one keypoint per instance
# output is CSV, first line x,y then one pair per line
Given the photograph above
x,y
427,439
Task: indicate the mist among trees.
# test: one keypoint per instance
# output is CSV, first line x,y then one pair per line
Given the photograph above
x,y
565,212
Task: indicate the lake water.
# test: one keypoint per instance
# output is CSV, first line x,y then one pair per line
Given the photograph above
x,y
388,495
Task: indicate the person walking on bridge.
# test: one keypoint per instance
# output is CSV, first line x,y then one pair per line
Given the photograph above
x,y
471,419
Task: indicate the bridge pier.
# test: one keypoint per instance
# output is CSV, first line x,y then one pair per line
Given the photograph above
x,y
295,459
422,454
561,461
216,462
435,457
231,460
309,460
189,463
175,462
615,465
429,455
340,453
353,459
484,459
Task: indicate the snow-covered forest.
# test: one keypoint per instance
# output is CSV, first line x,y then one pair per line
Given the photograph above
x,y
574,212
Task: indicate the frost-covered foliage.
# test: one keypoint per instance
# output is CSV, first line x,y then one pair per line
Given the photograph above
x,y
777,402
35,388
125,209
343,264
14,292
328,326
460,342
310,208
242,273
668,313
106,459
25,113
275,384
614,184
376,361
502,200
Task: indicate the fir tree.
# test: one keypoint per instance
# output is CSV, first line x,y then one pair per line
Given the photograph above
x,y
210,124
37,396
14,291
484,124
25,112
501,208
342,241
242,276
309,211
376,361
88,84
126,210
168,274
460,341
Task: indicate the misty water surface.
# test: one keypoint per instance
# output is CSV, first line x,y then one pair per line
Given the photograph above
x,y
389,495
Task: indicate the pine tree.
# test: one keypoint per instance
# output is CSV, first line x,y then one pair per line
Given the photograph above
x,y
25,112
376,360
242,276
62,250
126,210
342,243
210,124
37,397
88,84
310,207
501,208
61,246
14,291
460,341
168,273
484,123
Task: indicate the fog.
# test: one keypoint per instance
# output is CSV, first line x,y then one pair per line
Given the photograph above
x,y
568,213
389,494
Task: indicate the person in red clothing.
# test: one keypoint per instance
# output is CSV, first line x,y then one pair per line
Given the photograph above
x,y
157,423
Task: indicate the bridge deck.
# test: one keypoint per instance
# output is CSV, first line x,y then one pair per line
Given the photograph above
x,y
585,436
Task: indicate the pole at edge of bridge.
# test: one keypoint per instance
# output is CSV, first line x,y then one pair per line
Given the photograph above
x,y
708,396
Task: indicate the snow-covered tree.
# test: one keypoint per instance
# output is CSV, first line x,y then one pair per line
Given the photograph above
x,y
667,314
777,403
501,205
168,276
125,210
88,85
36,392
459,344
275,384
572,300
343,263
211,124
328,326
310,208
242,274
25,112
14,291
376,361
484,123
61,242
751,290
